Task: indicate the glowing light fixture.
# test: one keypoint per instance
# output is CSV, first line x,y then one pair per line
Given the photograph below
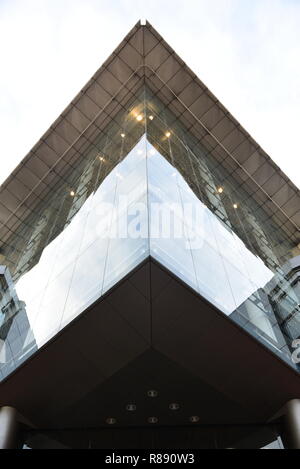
x,y
235,206
151,118
139,118
174,406
72,193
168,134
131,407
111,421
123,135
220,190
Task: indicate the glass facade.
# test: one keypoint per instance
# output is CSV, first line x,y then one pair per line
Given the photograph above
x,y
146,187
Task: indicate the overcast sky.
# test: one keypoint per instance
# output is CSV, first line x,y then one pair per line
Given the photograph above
x,y
246,51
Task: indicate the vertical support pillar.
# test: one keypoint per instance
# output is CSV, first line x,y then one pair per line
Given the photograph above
x,y
291,425
8,428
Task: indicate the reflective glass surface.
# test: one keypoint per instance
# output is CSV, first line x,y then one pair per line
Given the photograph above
x,y
200,437
146,187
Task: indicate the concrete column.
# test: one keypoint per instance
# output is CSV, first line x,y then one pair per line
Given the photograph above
x,y
291,425
8,428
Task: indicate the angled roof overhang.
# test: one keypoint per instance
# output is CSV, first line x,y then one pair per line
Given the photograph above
x,y
143,57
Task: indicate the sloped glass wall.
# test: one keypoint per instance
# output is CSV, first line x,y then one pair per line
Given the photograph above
x,y
146,187
229,250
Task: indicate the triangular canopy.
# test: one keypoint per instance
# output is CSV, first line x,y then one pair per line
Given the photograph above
x,y
143,57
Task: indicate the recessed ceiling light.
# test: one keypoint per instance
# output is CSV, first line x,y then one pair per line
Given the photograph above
x,y
151,118
72,193
139,118
152,393
101,158
168,134
123,135
111,421
194,419
152,420
131,407
235,206
174,406
220,190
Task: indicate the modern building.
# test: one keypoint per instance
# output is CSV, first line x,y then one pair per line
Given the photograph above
x,y
149,279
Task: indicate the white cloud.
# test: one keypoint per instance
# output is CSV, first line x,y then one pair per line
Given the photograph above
x,y
247,53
